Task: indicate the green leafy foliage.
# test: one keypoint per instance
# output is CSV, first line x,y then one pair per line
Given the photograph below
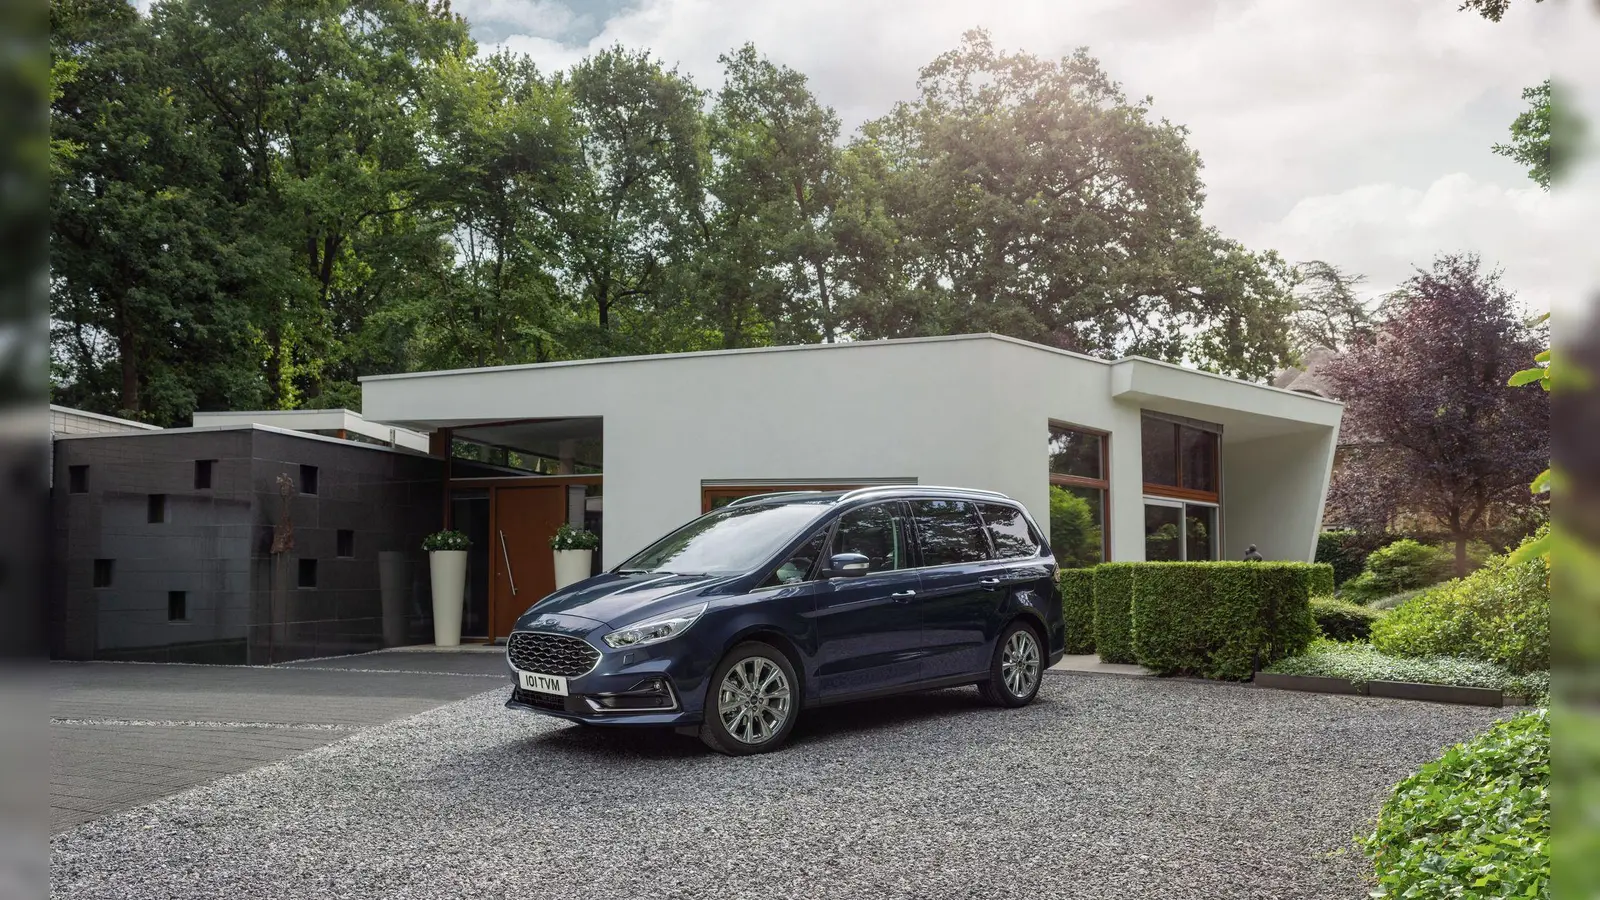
x,y
1346,550
1474,822
1342,620
570,538
1400,566
1361,662
1113,612
1219,619
1077,608
1075,535
446,540
1394,601
1499,613
1322,580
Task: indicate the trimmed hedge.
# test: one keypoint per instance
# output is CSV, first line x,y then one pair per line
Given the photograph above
x,y
1077,608
1219,619
1113,611
1401,566
1322,583
1342,620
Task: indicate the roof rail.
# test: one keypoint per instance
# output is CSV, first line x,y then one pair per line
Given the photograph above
x,y
917,488
747,498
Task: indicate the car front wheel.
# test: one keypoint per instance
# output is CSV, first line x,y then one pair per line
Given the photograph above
x,y
751,702
1017,669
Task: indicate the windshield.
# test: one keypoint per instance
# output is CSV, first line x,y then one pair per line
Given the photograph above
x,y
726,542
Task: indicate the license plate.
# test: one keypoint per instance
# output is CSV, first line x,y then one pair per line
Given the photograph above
x,y
544,684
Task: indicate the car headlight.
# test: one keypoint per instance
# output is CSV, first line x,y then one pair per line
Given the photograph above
x,y
656,630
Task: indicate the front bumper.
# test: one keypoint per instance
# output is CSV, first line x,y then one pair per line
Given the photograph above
x,y
652,677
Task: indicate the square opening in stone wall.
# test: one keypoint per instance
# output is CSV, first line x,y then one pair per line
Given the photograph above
x,y
308,573
308,479
157,509
102,573
177,606
202,474
346,541
77,479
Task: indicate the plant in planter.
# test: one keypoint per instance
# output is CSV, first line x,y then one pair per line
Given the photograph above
x,y
574,551
447,564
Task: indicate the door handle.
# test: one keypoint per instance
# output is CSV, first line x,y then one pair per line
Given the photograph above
x,y
989,584
903,596
507,557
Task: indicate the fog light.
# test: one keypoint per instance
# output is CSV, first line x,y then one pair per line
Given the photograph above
x,y
651,693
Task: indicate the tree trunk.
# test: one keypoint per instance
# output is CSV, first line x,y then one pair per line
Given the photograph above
x,y
128,351
1461,555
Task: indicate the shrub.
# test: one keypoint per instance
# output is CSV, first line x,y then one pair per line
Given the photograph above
x,y
569,538
1400,566
1347,551
1219,619
1499,613
1474,822
1394,600
1077,608
446,540
1361,663
1113,612
1342,620
1322,582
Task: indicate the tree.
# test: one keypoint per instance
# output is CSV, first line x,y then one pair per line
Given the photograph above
x,y
1031,198
1328,312
1430,430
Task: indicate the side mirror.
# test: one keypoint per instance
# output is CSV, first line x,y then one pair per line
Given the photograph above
x,y
848,565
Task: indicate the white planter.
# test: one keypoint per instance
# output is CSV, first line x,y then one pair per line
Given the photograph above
x,y
449,571
572,566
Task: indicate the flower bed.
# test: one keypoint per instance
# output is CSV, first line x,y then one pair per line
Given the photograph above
x,y
1360,663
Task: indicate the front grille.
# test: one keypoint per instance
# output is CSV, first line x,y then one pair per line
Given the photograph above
x,y
542,701
550,654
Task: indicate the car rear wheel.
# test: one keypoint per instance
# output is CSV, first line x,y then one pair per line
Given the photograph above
x,y
751,701
1017,669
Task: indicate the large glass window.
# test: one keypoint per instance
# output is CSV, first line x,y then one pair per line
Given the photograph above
x,y
948,531
1199,528
874,532
1182,458
1077,525
1009,531
1078,485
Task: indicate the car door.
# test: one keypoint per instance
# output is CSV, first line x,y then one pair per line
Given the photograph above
x,y
1022,574
958,601
868,628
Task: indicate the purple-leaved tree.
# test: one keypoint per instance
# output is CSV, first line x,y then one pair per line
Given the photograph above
x,y
1430,433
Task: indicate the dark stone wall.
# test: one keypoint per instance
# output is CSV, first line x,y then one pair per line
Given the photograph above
x,y
239,603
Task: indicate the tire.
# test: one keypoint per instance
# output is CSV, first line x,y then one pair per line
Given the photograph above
x,y
1012,681
739,722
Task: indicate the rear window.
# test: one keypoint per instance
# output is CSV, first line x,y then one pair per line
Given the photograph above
x,y
1009,531
948,532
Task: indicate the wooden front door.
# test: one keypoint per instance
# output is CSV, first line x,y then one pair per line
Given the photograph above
x,y
525,518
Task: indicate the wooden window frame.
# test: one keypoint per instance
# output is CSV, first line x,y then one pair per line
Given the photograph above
x,y
1103,483
1180,492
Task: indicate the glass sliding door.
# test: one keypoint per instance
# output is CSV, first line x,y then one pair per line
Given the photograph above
x,y
1175,531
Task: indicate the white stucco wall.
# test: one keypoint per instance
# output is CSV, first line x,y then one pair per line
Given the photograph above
x,y
971,411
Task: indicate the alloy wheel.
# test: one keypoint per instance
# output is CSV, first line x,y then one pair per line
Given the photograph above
x,y
753,700
1019,664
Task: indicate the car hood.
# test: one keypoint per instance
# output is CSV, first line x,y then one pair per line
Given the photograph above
x,y
619,600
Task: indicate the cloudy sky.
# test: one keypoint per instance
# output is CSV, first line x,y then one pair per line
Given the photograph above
x,y
1355,131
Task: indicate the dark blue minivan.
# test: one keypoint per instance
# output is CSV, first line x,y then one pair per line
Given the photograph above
x,y
732,624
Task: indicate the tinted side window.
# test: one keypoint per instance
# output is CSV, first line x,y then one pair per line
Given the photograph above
x,y
876,534
949,532
1009,530
802,564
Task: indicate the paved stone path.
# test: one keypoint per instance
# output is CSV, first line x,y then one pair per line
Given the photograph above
x,y
125,734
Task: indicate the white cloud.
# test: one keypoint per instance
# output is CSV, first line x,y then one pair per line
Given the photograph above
x,y
1357,131
1385,231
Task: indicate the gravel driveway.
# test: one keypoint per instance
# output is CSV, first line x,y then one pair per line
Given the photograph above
x,y
1106,787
